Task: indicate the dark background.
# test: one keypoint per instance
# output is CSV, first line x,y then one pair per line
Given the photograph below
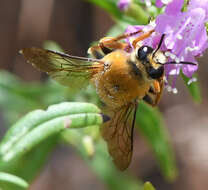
x,y
74,24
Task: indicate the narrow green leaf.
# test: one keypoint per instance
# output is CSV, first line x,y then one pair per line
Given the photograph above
x,y
35,136
151,125
138,13
32,161
148,186
110,6
193,88
40,125
38,117
6,178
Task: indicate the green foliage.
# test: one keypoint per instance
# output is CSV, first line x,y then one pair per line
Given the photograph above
x,y
11,181
206,25
19,146
151,125
18,97
136,14
148,186
40,125
30,164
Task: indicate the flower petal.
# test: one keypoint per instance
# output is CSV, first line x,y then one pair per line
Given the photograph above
x,y
159,3
174,7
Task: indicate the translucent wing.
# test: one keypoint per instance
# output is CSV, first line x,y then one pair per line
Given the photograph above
x,y
68,70
118,133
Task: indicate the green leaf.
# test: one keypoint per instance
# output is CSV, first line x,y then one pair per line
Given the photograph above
x,y
32,161
110,6
18,97
39,125
9,181
151,124
138,13
193,88
206,26
148,186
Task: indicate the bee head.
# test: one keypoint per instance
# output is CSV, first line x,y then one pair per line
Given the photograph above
x,y
151,61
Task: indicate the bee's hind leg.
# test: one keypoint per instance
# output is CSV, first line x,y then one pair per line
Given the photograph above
x,y
109,44
96,52
105,46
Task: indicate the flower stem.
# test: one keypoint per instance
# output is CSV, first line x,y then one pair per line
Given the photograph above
x,y
138,13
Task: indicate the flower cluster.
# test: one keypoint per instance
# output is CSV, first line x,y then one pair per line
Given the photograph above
x,y
185,33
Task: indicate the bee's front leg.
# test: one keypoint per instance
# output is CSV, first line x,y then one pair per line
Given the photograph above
x,y
154,93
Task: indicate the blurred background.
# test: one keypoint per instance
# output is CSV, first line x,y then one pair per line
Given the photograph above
x,y
74,24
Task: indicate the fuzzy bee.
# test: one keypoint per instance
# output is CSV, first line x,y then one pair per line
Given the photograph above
x,y
121,79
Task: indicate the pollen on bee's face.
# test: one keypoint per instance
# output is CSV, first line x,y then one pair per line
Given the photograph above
x,y
160,57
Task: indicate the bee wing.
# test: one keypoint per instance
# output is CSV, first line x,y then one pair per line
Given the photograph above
x,y
68,70
118,133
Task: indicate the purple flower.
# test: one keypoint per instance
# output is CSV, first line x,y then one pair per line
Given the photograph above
x,y
185,34
159,3
199,4
123,4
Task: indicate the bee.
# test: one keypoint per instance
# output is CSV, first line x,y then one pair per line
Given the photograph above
x,y
121,79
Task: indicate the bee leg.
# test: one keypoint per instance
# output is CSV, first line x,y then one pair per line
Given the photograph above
x,y
158,86
154,94
142,37
96,52
151,90
148,100
109,44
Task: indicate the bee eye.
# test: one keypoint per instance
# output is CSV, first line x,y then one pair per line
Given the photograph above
x,y
143,52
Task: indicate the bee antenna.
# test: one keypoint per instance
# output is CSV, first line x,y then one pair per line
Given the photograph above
x,y
181,62
159,45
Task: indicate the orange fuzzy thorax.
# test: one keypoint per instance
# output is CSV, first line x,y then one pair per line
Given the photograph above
x,y
116,85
